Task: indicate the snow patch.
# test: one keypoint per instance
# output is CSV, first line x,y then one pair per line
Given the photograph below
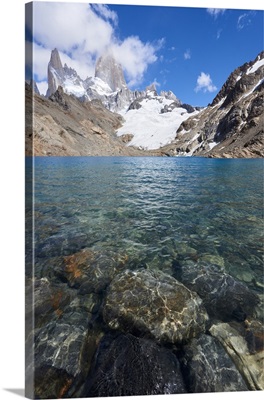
x,y
212,145
255,66
99,86
72,87
219,103
252,90
150,128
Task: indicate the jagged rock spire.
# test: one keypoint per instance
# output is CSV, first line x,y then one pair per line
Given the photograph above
x,y
110,71
55,60
55,72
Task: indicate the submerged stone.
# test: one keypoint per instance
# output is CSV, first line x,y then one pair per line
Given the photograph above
x,y
59,352
250,365
57,359
90,271
61,359
125,365
45,301
153,304
223,296
254,335
208,368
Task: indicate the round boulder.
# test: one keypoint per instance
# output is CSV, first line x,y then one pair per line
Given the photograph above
x,y
153,304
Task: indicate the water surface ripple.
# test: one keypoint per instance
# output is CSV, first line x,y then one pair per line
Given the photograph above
x,y
156,210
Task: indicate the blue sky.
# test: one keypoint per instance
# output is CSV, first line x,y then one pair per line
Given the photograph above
x,y
190,51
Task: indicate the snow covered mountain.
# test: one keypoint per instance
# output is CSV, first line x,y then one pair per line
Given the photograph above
x,y
152,120
108,85
232,125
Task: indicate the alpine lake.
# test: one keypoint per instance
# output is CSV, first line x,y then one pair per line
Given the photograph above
x,y
145,274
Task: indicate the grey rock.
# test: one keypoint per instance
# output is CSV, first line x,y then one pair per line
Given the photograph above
x,y
152,88
228,124
48,301
90,271
59,98
110,71
55,72
223,296
153,304
135,105
170,96
232,125
60,132
128,366
208,368
249,365
190,109
170,107
59,353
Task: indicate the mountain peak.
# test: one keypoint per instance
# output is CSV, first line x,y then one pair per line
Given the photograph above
x,y
151,88
55,60
55,72
110,71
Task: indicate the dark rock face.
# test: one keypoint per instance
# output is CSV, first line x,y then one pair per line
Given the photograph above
x,y
135,105
190,109
58,97
228,124
128,366
170,108
208,368
233,83
232,125
153,304
222,295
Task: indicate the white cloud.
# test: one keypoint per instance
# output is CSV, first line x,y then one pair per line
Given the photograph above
x,y
244,20
219,33
70,26
105,12
82,32
204,83
187,54
135,56
215,12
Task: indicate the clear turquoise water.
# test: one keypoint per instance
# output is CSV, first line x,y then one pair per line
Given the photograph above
x,y
155,210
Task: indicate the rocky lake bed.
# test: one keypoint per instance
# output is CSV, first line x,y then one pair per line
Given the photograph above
x,y
141,291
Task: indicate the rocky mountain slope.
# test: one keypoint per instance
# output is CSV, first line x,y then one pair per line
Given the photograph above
x,y
62,125
233,124
152,123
